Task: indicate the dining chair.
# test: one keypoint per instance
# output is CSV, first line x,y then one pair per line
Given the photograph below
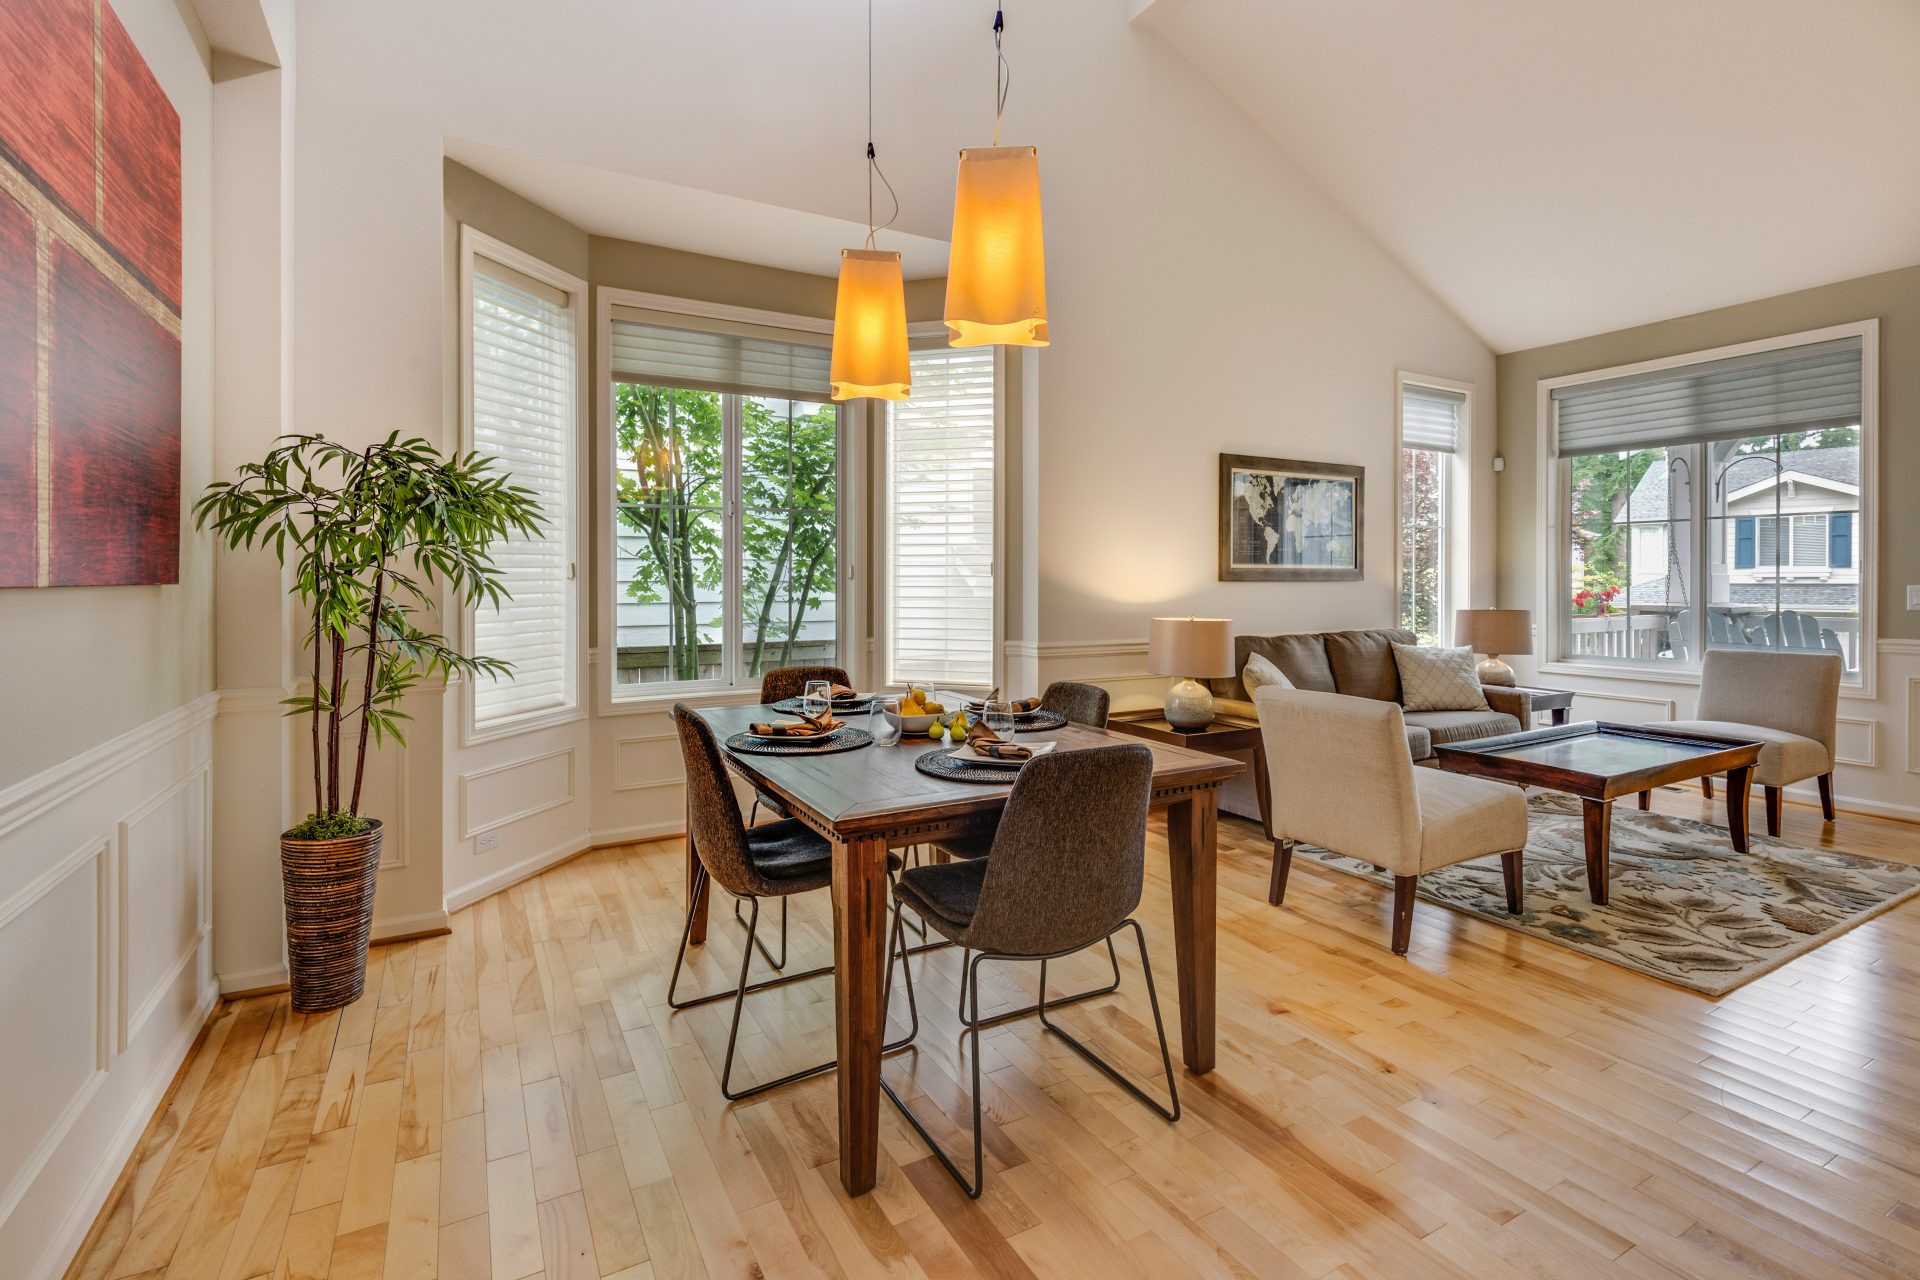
x,y
1066,871
1080,703
774,860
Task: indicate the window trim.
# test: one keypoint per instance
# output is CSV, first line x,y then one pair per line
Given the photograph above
x,y
1552,582
475,243
851,465
1456,583
882,420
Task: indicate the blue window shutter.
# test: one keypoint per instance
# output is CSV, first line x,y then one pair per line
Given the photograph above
x,y
1743,542
1840,540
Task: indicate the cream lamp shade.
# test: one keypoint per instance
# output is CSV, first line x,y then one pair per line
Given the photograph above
x,y
869,328
1189,647
1494,632
997,271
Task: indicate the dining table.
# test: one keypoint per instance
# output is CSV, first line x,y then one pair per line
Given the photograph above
x,y
873,799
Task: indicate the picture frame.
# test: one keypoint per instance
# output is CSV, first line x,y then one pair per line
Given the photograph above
x,y
1285,520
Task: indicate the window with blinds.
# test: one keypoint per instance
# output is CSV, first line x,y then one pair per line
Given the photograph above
x,y
1430,427
940,621
522,398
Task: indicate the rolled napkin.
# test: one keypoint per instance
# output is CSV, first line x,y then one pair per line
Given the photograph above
x,y
1025,706
1019,706
805,727
841,693
985,742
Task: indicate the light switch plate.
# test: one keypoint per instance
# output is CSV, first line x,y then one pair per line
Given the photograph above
x,y
486,842
1913,597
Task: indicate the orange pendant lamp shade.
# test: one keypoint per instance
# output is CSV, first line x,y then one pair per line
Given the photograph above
x,y
997,271
870,328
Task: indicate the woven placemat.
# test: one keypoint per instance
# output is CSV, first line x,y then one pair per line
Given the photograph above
x,y
1028,722
941,764
748,744
798,706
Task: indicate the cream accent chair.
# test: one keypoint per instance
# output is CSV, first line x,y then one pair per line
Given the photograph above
x,y
1787,702
1342,779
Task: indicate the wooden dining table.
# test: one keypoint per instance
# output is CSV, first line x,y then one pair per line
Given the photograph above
x,y
871,800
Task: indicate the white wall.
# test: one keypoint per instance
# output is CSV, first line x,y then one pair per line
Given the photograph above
x,y
106,968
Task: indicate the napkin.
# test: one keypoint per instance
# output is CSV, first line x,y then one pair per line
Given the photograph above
x,y
1019,706
841,693
805,727
985,742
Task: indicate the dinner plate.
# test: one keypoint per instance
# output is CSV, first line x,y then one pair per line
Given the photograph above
x,y
966,753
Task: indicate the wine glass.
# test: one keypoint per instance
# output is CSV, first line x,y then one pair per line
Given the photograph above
x,y
884,717
998,714
817,697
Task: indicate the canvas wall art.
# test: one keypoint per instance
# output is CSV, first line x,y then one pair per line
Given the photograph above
x,y
90,291
1285,521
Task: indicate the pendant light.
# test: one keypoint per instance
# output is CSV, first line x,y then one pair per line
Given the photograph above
x,y
996,268
870,309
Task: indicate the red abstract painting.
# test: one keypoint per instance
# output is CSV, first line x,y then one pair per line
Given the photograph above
x,y
90,293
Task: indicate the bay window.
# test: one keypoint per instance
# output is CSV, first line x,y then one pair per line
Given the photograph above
x,y
726,482
1716,502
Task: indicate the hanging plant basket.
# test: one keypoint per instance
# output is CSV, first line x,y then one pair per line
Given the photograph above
x,y
329,887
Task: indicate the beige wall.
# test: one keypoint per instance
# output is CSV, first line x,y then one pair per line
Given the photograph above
x,y
1893,297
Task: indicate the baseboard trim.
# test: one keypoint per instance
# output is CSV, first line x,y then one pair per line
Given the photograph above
x,y
247,982
425,924
116,1161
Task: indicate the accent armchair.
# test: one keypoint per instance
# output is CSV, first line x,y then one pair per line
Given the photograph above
x,y
1787,702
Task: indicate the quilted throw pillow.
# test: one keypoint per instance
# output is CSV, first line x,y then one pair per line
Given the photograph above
x,y
1259,674
1434,679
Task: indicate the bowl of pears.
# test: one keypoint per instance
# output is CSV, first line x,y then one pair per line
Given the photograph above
x,y
924,715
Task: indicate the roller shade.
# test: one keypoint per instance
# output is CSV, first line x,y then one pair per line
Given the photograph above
x,y
661,349
1790,389
522,388
940,536
1430,419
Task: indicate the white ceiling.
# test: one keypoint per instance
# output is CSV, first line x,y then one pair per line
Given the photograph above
x,y
1557,168
625,207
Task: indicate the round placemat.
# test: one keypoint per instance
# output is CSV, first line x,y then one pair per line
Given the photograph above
x,y
748,744
1030,721
941,764
798,706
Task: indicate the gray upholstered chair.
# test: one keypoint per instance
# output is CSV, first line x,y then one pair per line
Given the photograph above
x,y
1066,871
1356,792
778,685
1080,703
1787,702
774,860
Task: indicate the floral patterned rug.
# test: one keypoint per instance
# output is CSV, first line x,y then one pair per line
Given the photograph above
x,y
1684,906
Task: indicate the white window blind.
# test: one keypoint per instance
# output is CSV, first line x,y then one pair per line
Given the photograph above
x,y
523,398
1430,418
1788,389
940,544
667,350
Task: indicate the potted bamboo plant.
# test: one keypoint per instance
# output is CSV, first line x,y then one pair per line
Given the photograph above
x,y
371,534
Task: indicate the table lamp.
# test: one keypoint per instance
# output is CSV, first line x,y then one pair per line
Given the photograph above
x,y
1190,647
1495,632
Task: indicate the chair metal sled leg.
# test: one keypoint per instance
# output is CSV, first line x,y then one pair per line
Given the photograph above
x,y
743,989
1169,1113
969,981
1112,986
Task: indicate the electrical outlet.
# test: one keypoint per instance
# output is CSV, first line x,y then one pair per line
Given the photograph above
x,y
486,842
1913,597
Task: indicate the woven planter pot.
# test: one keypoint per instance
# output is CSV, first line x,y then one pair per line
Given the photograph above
x,y
329,888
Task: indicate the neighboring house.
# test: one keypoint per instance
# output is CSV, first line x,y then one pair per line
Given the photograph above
x,y
1789,530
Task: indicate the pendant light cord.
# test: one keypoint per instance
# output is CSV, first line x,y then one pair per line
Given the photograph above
x,y
873,163
1002,73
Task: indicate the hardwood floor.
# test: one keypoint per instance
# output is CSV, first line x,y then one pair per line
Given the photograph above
x,y
515,1100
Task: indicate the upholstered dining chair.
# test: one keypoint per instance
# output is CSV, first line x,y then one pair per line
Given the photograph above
x,y
1065,872
1787,702
1341,778
774,860
1080,703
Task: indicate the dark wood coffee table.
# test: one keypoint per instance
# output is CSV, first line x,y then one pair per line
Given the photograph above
x,y
1600,762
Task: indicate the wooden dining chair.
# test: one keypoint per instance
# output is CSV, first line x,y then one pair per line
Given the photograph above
x,y
774,860
1066,871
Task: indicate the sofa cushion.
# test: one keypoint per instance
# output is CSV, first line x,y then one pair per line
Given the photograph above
x,y
1362,663
1438,679
1419,742
1302,659
1462,726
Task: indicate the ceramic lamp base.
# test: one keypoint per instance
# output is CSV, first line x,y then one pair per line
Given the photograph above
x,y
1494,671
1189,706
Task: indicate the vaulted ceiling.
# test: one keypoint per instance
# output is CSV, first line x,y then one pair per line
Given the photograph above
x,y
1557,168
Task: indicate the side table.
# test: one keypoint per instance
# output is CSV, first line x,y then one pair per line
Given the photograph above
x,y
1557,703
1227,736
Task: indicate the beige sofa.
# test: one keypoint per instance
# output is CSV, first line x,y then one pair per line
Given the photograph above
x,y
1359,664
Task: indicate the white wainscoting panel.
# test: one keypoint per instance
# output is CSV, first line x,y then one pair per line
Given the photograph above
x,y
105,942
1622,708
1856,741
506,793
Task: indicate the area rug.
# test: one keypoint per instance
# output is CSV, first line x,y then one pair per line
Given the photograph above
x,y
1684,907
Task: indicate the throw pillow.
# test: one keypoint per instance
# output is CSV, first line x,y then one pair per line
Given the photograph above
x,y
1434,679
1258,674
